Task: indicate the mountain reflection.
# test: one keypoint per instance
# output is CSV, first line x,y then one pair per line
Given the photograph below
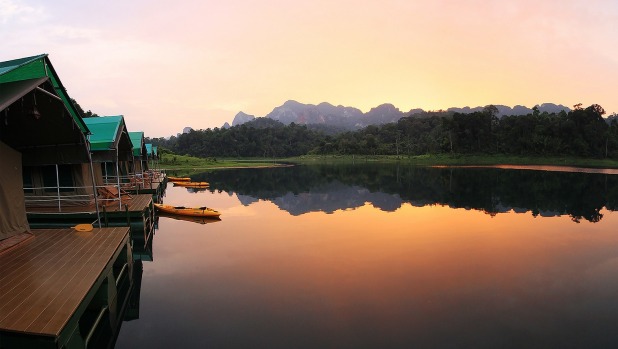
x,y
327,188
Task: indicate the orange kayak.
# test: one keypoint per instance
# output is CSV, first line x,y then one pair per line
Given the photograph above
x,y
192,184
178,179
188,211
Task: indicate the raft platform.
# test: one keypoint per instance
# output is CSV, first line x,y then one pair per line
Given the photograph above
x,y
156,187
65,289
137,213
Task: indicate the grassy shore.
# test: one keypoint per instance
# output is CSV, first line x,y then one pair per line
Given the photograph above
x,y
462,160
185,165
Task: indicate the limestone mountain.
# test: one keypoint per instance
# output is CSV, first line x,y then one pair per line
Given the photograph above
x,y
323,113
326,116
241,118
381,114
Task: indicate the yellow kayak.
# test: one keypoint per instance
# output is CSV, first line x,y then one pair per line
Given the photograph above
x,y
188,211
192,184
178,179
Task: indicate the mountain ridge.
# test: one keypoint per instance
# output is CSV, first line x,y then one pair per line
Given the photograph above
x,y
351,118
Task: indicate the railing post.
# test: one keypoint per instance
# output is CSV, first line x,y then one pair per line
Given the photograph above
x,y
126,208
118,182
58,188
94,184
105,217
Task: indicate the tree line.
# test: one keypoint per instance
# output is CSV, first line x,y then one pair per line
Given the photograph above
x,y
580,132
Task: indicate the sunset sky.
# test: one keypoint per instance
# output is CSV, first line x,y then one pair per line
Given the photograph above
x,y
167,64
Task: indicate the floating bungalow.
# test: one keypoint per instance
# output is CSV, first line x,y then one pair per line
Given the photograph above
x,y
112,152
140,153
153,156
56,160
104,201
59,288
144,180
157,178
112,156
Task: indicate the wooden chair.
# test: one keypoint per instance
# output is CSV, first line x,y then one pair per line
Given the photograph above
x,y
110,192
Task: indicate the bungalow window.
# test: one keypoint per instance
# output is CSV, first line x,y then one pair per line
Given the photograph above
x,y
65,178
26,173
110,169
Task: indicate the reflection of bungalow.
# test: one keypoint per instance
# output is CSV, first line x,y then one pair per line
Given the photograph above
x,y
79,276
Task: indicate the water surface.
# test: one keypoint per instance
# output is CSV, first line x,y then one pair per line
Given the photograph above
x,y
385,257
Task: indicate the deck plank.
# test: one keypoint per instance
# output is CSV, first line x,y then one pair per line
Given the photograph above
x,y
52,283
92,264
18,271
43,283
13,241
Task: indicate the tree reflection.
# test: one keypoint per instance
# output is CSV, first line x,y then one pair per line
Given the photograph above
x,y
581,196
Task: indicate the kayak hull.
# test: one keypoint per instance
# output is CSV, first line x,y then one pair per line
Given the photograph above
x,y
178,179
192,184
188,211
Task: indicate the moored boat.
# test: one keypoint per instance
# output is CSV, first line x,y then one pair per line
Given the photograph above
x,y
188,211
178,179
192,184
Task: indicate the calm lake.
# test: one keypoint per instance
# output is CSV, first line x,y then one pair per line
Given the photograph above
x,y
384,256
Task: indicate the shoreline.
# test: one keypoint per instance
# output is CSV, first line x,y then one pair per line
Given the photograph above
x,y
225,167
548,168
464,160
435,160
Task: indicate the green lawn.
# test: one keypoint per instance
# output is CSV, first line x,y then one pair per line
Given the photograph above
x,y
183,164
463,160
187,164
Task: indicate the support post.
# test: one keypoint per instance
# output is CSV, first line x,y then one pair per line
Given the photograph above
x,y
58,188
94,185
118,182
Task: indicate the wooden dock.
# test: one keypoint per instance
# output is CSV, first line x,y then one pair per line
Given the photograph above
x,y
156,187
137,213
51,285
135,203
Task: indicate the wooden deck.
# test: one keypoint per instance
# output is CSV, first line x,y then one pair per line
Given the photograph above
x,y
14,241
155,181
156,187
138,202
45,280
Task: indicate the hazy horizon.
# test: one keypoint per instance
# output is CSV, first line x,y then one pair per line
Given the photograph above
x,y
199,63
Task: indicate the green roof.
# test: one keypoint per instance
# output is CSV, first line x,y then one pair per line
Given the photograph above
x,y
37,67
137,138
155,150
12,65
149,149
105,131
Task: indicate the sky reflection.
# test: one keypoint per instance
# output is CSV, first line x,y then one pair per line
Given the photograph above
x,y
428,276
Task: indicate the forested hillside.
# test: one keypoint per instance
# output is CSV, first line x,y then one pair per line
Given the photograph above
x,y
581,132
